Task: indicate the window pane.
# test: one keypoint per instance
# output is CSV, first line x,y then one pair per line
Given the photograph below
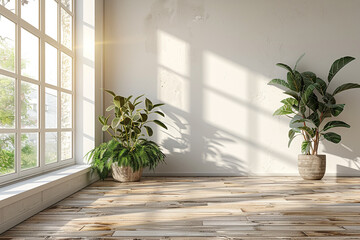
x,y
66,29
50,147
30,12
29,55
7,102
7,153
50,64
51,16
9,4
29,150
29,105
7,44
66,71
66,145
50,108
67,4
66,110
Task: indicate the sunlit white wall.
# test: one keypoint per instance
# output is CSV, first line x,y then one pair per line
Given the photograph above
x,y
210,61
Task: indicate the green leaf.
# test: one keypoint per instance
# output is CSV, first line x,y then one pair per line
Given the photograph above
x,y
321,86
314,117
329,99
336,109
137,98
346,86
148,104
292,135
122,152
118,112
149,130
298,122
111,107
111,92
337,65
105,128
102,120
158,105
293,94
160,124
333,124
135,104
310,131
324,110
322,107
144,117
106,119
297,61
305,147
119,101
128,98
160,113
282,65
308,91
294,82
309,78
299,79
109,163
313,102
137,130
115,122
279,82
302,107
131,106
137,117
332,137
284,110
289,101
126,121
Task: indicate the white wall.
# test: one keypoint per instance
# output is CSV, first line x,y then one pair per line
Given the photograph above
x,y
210,61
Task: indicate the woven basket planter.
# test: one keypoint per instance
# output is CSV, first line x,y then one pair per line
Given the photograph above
x,y
125,174
312,167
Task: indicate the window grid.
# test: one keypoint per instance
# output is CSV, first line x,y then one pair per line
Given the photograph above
x,y
41,130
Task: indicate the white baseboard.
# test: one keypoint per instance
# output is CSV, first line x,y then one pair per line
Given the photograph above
x,y
211,174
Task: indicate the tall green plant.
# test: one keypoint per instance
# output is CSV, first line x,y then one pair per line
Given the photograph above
x,y
310,103
130,122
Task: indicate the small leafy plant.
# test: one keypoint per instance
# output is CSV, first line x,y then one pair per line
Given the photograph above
x,y
310,103
128,127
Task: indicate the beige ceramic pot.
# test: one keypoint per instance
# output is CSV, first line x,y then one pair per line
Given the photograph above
x,y
125,174
312,167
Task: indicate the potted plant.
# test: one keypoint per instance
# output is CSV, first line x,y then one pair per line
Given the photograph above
x,y
127,153
310,106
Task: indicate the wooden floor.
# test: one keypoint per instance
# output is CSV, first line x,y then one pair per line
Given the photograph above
x,y
204,208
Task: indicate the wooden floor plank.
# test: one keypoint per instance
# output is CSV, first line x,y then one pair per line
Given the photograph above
x,y
203,208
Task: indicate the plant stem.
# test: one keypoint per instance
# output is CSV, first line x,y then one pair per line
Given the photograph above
x,y
127,137
137,139
307,137
111,134
317,135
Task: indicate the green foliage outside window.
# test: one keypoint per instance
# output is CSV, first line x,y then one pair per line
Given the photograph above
x,y
7,117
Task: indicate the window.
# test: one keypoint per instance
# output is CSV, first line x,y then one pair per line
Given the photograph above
x,y
36,86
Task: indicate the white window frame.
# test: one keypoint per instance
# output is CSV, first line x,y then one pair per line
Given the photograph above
x,y
43,38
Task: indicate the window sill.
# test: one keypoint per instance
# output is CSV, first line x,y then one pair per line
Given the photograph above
x,y
21,200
